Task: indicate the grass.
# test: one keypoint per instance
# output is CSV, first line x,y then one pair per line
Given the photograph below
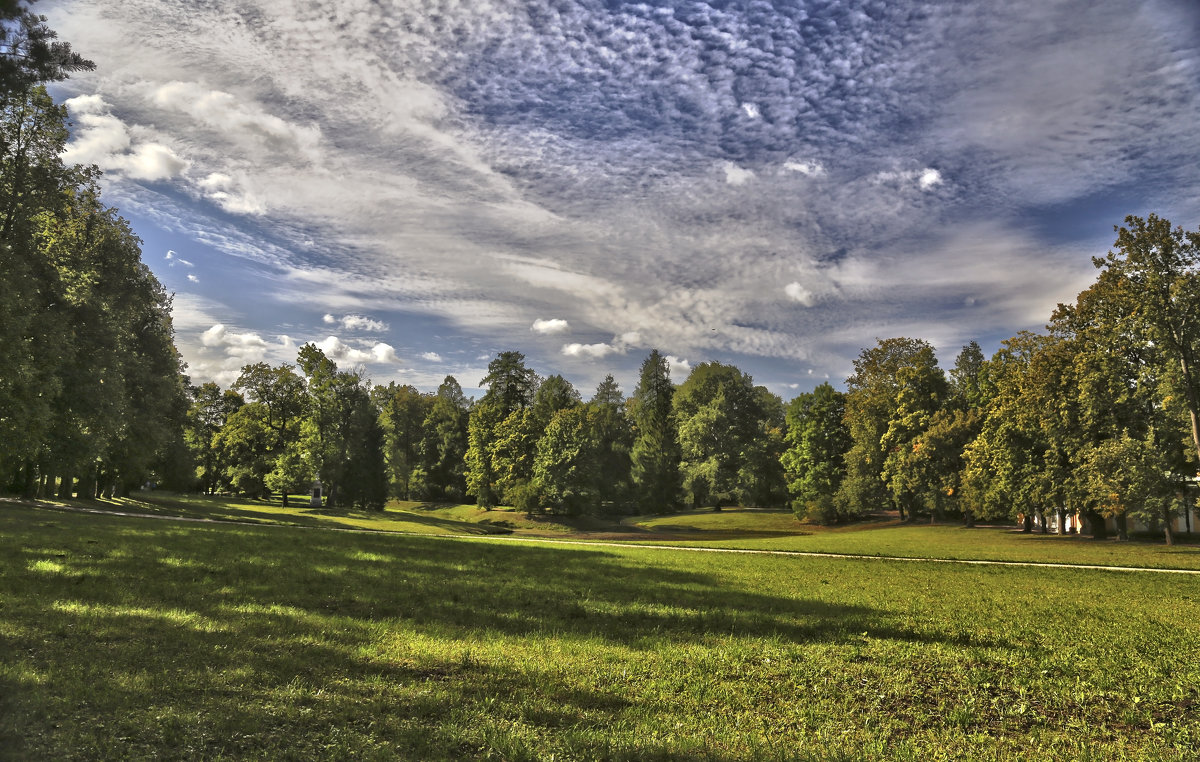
x,y
132,638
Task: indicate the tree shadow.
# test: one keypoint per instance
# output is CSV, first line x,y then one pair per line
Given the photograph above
x,y
238,630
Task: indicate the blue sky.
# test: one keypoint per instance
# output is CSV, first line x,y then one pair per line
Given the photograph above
x,y
417,185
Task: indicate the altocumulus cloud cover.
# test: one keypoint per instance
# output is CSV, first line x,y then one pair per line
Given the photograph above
x,y
416,185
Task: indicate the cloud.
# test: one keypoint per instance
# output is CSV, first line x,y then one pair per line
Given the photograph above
x,y
808,168
431,356
590,350
799,293
106,141
660,169
192,278
679,367
735,175
553,325
356,323
247,346
174,259
341,352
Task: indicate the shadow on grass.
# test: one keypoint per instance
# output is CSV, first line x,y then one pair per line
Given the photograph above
x,y
203,640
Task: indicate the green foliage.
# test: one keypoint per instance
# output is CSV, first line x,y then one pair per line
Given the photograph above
x,y
655,455
882,424
814,461
403,414
729,440
511,384
567,469
444,447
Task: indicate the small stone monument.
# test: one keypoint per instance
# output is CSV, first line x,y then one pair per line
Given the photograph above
x,y
315,500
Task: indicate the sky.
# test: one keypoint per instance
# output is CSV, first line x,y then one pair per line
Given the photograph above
x,y
417,185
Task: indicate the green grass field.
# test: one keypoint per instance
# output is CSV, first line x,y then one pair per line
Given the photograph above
x,y
126,638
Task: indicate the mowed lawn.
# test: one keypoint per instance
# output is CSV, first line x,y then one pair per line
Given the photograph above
x,y
124,638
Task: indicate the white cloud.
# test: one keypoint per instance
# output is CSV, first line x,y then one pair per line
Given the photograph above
x,y
553,325
247,346
341,352
590,350
174,259
356,323
192,277
925,179
232,194
807,168
238,119
103,139
431,356
679,368
751,110
735,175
801,294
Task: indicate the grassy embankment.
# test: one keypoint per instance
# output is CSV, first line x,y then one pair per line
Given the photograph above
x,y
132,638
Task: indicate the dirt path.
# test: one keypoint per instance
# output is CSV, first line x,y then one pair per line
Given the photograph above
x,y
600,543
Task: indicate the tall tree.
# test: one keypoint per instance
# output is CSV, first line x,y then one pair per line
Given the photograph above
x,y
655,454
871,405
614,438
445,442
817,442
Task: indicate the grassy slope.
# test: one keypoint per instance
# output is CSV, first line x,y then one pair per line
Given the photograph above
x,y
128,638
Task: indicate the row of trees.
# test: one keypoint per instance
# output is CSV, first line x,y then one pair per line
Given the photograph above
x,y
528,442
1097,416
91,393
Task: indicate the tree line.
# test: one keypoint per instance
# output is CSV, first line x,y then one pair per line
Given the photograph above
x,y
1096,416
91,392
528,442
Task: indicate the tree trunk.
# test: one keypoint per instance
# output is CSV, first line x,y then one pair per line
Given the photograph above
x,y
901,508
1168,534
1098,526
1122,526
1027,523
66,487
968,518
1062,522
1043,527
29,490
283,493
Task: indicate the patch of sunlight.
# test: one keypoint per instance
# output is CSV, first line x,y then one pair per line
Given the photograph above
x,y
179,563
46,566
273,609
190,619
23,673
364,556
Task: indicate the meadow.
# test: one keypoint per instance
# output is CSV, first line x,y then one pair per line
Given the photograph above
x,y
128,638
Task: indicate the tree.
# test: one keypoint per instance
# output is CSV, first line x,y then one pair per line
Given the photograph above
x,y
814,461
614,439
554,394
284,398
1153,280
907,471
871,406
403,411
655,454
30,52
444,446
511,385
566,469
